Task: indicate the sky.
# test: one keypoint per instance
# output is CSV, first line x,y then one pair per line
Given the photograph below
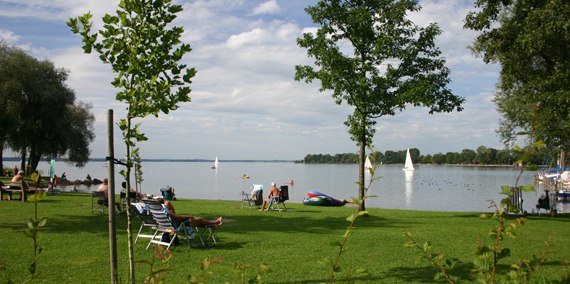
x,y
245,101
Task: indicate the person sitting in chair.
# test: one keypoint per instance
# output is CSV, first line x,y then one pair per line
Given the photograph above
x,y
193,220
18,177
273,195
133,192
104,187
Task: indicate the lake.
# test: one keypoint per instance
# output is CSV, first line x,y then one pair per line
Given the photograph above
x,y
431,188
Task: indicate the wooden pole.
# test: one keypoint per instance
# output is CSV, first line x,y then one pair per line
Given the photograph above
x,y
111,199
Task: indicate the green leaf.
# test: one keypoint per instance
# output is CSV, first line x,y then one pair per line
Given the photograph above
x,y
42,222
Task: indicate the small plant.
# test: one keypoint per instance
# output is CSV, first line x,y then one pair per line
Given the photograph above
x,y
205,267
158,270
439,260
335,263
32,231
241,269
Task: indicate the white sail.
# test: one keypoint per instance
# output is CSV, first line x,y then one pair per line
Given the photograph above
x,y
368,164
215,166
409,165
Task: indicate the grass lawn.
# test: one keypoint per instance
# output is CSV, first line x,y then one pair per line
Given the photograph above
x,y
75,243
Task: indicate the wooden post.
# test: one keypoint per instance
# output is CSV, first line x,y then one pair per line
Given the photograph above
x,y
111,199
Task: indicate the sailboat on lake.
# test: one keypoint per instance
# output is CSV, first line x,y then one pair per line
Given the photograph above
x,y
367,164
409,165
215,166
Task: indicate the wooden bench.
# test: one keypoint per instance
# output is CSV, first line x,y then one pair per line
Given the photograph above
x,y
15,187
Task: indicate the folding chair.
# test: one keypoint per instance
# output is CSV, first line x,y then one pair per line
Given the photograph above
x,y
165,225
206,234
147,221
283,196
254,198
98,202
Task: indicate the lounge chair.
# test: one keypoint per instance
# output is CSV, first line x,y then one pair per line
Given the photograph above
x,y
164,225
147,221
276,203
254,198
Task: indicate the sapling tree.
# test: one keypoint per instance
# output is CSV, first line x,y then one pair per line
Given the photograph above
x,y
144,50
377,61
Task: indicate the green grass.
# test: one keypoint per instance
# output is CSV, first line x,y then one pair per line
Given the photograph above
x,y
75,243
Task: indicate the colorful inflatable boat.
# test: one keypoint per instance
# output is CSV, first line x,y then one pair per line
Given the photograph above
x,y
320,199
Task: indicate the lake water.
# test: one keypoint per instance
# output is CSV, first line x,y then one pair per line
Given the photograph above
x,y
432,188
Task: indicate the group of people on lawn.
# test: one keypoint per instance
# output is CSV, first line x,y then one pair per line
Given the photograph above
x,y
194,221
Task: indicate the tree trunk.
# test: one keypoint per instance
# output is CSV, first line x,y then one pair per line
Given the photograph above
x,y
23,155
361,181
2,159
130,244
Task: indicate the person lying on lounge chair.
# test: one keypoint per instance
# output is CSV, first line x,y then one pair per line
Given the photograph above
x,y
194,221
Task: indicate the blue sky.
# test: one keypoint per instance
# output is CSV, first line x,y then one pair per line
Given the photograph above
x,y
245,102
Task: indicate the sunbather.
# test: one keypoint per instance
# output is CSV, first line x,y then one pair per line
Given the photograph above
x,y
194,221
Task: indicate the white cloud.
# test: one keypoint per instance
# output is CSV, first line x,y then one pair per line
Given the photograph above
x,y
9,36
268,7
245,102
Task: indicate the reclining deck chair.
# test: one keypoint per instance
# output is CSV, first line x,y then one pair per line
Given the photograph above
x,y
147,221
283,196
165,225
254,198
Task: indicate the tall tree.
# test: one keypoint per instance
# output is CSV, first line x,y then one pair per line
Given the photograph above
x,y
40,112
144,50
377,61
530,40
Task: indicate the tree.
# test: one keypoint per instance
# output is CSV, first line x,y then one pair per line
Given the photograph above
x,y
40,114
377,61
530,40
144,50
467,156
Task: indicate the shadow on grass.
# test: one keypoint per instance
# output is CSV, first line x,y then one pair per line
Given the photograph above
x,y
338,280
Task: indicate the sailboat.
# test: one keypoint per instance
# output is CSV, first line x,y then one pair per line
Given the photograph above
x,y
408,166
215,166
367,163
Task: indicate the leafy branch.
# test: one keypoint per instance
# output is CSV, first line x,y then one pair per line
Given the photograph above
x,y
335,264
32,231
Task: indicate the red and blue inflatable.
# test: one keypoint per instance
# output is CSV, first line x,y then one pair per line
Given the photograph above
x,y
320,199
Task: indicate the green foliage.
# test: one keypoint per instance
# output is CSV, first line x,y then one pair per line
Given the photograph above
x,y
529,40
40,116
144,50
371,57
334,264
439,260
158,265
482,156
32,230
241,269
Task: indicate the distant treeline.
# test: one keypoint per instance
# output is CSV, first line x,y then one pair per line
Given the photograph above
x,y
482,156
